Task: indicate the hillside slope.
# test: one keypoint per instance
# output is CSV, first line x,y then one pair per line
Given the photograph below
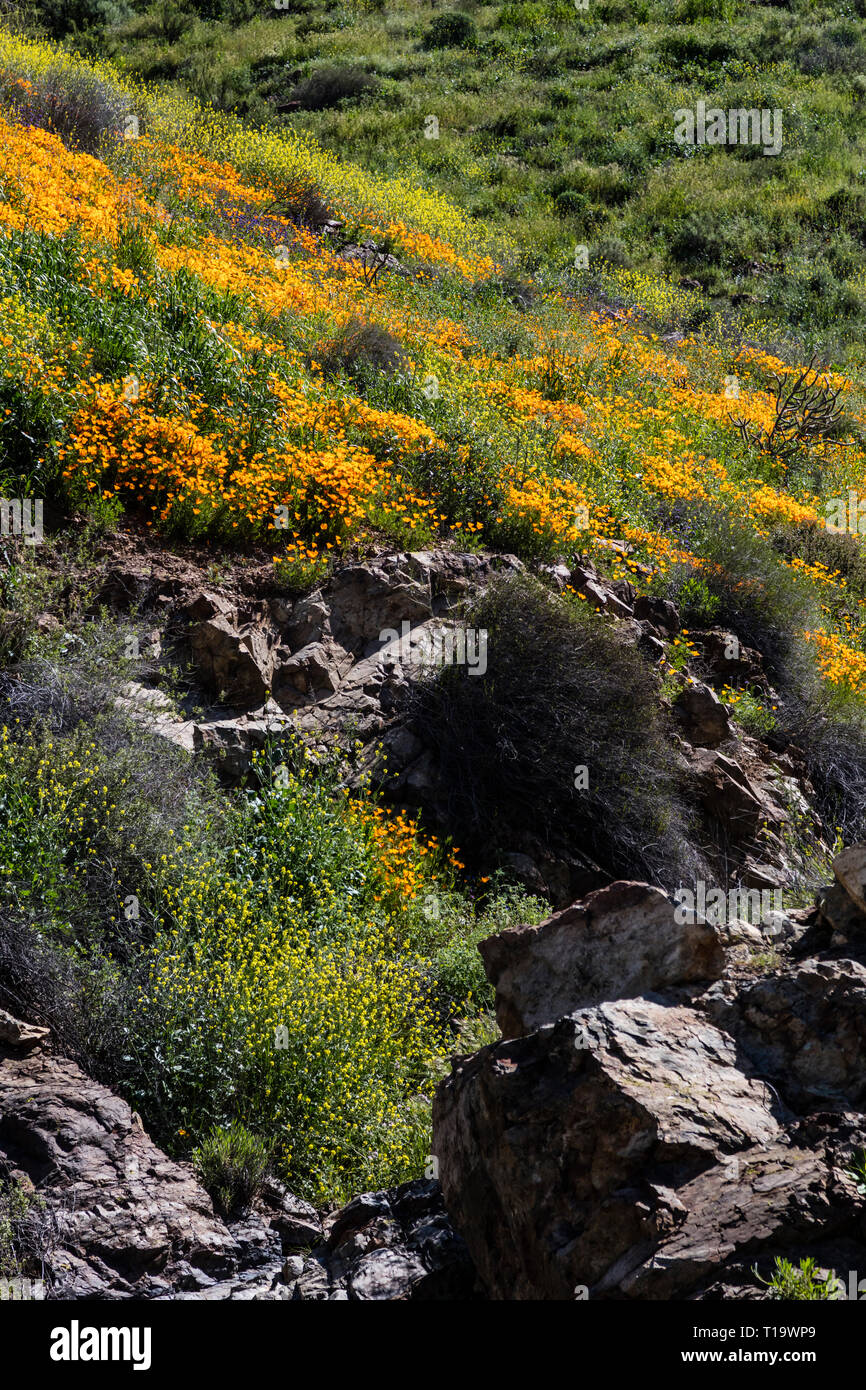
x,y
556,124
277,425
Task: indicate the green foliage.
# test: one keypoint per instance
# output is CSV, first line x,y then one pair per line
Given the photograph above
x,y
76,105
26,1231
857,1170
534,125
62,17
328,86
453,30
560,691
231,1164
744,587
697,603
801,1283
750,711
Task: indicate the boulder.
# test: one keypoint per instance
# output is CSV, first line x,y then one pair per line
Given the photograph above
x,y
659,612
602,595
387,1246
132,1222
703,716
850,870
840,913
782,1200
549,1145
235,664
313,673
726,794
804,1028
21,1035
620,942
364,601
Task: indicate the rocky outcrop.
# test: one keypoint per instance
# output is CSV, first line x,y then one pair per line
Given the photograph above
x,y
668,1145
132,1223
561,1154
20,1035
850,870
621,941
396,1245
338,665
804,1029
703,717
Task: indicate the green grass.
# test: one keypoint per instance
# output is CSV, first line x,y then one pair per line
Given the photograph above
x,y
556,127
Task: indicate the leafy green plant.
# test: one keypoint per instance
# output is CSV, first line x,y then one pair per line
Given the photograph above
x,y
804,1282
856,1169
698,604
27,1231
231,1164
750,710
453,30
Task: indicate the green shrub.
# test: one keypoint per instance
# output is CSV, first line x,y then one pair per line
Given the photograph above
x,y
361,347
173,21
27,1231
801,1283
75,105
330,85
744,587
62,17
750,711
612,250
231,1164
560,691
572,203
453,30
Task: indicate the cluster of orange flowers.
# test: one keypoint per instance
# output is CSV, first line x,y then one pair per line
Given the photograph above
x,y
408,857
839,663
591,405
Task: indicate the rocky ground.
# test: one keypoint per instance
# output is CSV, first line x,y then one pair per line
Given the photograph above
x,y
656,1123
337,665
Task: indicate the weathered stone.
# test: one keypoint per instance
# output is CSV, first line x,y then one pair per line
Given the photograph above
x,y
393,1245
840,912
726,793
207,604
727,660
545,1142
233,664
779,1198
850,870
364,601
21,1035
660,612
130,1218
311,674
704,717
232,742
622,941
602,595
804,1028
